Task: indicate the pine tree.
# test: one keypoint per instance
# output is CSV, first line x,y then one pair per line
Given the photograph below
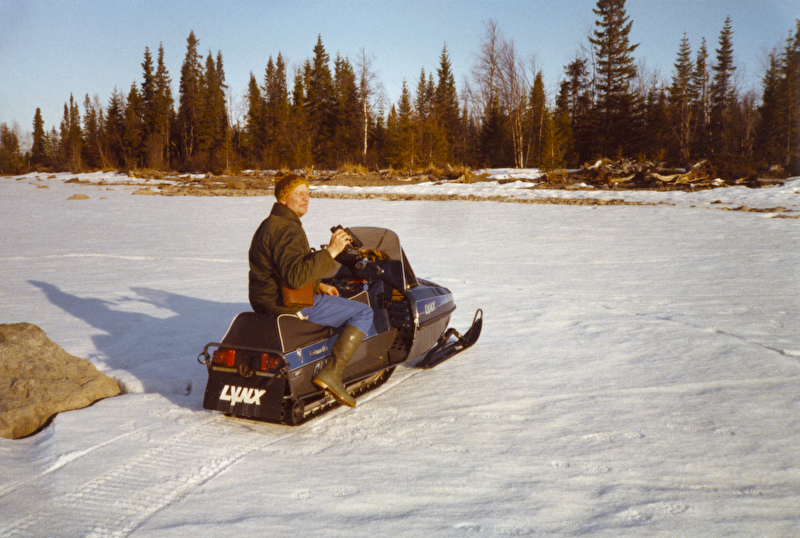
x,y
270,103
654,133
133,139
253,142
445,104
300,136
772,120
321,106
496,147
400,131
212,129
680,101
276,114
39,147
162,115
190,100
616,71
574,103
93,129
148,94
537,123
559,143
792,77
347,137
723,96
699,90
10,159
777,142
71,142
115,130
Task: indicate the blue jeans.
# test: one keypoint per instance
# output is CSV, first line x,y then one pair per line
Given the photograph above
x,y
333,311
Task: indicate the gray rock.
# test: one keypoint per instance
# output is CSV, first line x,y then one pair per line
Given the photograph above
x,y
39,379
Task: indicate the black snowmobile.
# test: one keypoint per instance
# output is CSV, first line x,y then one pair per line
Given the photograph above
x,y
264,364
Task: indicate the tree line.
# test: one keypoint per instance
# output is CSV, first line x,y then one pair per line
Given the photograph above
x,y
330,114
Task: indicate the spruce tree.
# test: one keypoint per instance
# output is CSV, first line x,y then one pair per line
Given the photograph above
x,y
446,106
536,123
772,120
722,96
791,75
401,132
699,92
680,101
133,138
300,135
253,142
39,147
347,137
574,103
616,70
92,128
321,105
10,158
212,133
190,100
71,141
275,113
148,93
114,135
162,115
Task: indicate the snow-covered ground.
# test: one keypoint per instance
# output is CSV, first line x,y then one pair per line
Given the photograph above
x,y
637,374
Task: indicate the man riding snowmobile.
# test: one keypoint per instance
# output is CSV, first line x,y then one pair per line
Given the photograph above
x,y
282,264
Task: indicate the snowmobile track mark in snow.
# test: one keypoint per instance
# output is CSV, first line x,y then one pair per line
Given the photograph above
x,y
69,458
154,478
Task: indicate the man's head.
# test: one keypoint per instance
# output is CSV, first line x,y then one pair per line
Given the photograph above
x,y
292,191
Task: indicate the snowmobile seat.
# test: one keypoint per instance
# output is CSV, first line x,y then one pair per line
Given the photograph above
x,y
266,331
285,332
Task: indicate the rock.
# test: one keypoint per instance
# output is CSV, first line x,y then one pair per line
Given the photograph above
x,y
236,185
39,379
78,197
145,192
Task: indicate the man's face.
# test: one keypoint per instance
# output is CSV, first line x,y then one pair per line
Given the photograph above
x,y
297,200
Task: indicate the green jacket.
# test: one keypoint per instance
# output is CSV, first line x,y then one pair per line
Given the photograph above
x,y
280,244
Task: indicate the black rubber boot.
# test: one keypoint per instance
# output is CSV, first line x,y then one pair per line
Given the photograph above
x,y
330,377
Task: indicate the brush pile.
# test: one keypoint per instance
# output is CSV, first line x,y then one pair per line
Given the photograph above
x,y
627,174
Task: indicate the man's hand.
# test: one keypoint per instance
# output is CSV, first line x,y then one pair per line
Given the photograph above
x,y
327,289
339,241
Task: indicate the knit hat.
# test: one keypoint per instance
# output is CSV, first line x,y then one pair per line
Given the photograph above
x,y
287,184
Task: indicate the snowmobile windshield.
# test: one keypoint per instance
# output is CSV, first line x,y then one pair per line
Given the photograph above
x,y
387,242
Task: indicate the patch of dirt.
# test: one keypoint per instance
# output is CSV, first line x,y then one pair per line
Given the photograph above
x,y
602,176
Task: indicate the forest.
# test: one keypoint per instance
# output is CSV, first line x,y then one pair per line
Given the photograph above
x,y
331,114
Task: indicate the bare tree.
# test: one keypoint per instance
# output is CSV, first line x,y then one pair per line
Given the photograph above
x,y
513,92
486,72
368,93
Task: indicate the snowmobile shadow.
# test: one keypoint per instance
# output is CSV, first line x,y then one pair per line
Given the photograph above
x,y
149,339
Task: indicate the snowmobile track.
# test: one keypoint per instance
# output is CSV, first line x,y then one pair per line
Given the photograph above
x,y
118,502
136,488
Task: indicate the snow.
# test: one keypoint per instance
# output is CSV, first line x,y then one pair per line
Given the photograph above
x,y
637,374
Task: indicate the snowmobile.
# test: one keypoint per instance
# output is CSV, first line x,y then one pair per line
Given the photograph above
x,y
263,367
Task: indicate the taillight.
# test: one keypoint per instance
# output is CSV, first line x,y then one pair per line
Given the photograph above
x,y
224,357
246,361
270,362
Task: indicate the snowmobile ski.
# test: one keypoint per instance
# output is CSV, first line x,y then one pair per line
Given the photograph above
x,y
451,343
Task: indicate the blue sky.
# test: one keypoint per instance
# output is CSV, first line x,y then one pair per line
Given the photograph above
x,y
50,49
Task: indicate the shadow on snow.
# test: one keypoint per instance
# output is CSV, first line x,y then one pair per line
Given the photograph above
x,y
148,353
